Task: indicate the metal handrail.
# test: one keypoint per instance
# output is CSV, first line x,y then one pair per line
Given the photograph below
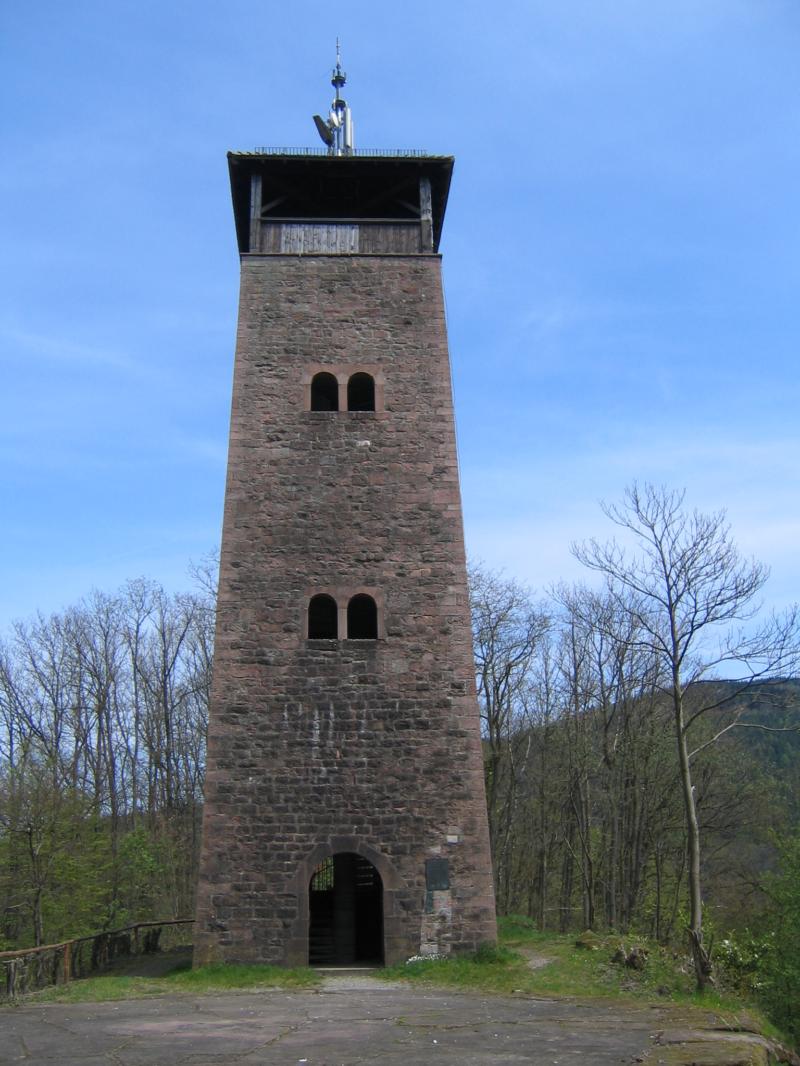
x,y
309,220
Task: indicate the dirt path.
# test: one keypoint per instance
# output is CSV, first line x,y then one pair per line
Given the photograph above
x,y
534,960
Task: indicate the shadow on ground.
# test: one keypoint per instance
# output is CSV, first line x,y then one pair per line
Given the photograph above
x,y
156,965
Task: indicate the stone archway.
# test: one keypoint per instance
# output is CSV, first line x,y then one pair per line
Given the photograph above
x,y
345,911
398,941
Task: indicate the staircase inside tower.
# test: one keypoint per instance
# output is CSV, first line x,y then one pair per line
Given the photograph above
x,y
345,913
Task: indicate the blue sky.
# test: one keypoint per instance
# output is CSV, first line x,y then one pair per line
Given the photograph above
x,y
621,260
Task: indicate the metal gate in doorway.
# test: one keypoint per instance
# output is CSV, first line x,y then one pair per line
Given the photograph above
x,y
345,897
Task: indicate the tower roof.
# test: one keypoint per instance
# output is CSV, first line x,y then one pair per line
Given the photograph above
x,y
302,185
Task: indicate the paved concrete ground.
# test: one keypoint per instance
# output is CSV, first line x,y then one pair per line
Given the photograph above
x,y
348,1022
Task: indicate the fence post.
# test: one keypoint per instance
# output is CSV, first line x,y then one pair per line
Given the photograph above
x,y
67,962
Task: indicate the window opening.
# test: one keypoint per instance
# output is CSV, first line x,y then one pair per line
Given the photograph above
x,y
322,618
361,393
362,618
324,393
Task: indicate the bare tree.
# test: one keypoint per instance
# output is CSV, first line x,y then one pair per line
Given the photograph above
x,y
613,700
507,627
103,711
693,599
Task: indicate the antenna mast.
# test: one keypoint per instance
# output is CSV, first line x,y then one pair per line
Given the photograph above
x,y
337,130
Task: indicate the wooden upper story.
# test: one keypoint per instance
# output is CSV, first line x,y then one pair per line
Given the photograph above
x,y
306,203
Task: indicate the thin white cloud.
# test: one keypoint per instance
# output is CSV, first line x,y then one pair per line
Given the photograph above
x,y
25,344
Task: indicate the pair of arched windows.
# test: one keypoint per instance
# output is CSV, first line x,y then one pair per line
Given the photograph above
x,y
360,392
323,618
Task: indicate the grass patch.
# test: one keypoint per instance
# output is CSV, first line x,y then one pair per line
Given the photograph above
x,y
222,976
97,990
579,972
181,980
506,969
490,970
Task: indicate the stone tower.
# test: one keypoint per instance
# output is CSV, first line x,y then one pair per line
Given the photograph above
x,y
345,816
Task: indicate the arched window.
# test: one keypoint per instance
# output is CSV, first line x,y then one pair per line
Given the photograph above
x,y
361,393
324,393
362,618
322,618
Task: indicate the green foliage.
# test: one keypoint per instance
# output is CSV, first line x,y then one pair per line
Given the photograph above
x,y
77,892
511,926
766,963
494,955
141,866
741,958
780,967
56,858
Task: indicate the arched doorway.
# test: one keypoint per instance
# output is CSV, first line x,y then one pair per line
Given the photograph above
x,y
345,910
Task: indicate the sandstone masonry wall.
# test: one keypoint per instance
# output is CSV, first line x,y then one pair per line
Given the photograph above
x,y
317,746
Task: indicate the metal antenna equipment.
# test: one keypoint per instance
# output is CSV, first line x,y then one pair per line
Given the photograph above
x,y
337,130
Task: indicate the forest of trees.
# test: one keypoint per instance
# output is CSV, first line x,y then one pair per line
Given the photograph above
x,y
626,781
103,713
641,745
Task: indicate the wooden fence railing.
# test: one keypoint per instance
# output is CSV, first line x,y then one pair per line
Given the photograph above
x,y
54,964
